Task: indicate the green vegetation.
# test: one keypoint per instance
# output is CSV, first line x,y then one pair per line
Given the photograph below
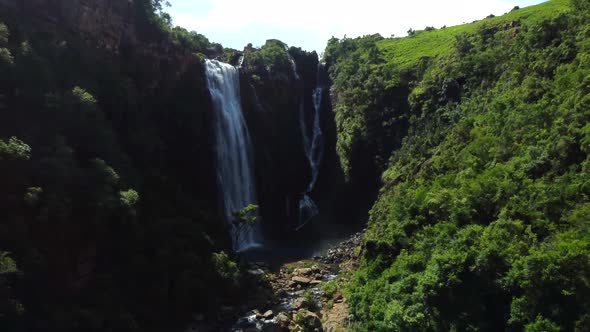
x,y
225,267
108,212
330,289
271,61
483,219
244,219
405,52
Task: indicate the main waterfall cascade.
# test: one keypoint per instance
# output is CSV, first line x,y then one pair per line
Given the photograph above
x,y
313,143
235,174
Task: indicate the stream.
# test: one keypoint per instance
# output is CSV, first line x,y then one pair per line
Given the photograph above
x,y
297,283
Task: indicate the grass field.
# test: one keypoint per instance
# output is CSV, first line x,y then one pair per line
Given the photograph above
x,y
405,51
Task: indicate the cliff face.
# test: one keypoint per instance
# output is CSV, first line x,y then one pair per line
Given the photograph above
x,y
277,85
273,95
108,21
118,122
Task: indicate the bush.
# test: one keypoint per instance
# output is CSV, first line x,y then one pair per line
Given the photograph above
x,y
225,267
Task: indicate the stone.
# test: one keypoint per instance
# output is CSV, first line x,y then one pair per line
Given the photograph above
x,y
308,320
315,282
268,314
302,271
257,314
283,320
256,272
300,303
301,280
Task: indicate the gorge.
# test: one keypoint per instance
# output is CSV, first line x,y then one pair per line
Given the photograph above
x,y
153,180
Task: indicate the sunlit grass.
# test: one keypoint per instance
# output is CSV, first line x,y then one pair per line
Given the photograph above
x,y
408,50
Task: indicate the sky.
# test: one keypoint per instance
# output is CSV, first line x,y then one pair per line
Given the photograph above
x,y
310,23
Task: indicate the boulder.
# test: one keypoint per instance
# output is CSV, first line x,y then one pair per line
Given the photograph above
x,y
308,320
283,320
301,303
256,272
303,271
301,280
257,314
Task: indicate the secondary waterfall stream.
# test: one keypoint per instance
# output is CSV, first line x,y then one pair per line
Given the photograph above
x,y
313,143
235,174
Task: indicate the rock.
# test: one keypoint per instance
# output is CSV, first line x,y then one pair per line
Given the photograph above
x,y
301,280
315,282
268,314
283,320
300,303
256,272
302,271
257,314
308,320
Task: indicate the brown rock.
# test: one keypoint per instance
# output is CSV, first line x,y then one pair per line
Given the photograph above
x,y
283,320
300,303
301,280
302,271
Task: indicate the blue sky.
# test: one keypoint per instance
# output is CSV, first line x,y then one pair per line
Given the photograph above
x,y
310,23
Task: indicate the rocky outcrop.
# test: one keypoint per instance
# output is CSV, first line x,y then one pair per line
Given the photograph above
x,y
153,107
344,251
274,92
109,22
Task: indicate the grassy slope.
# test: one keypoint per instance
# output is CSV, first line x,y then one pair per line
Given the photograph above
x,y
408,50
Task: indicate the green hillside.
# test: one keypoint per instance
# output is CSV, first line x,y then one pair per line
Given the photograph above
x,y
481,136
438,43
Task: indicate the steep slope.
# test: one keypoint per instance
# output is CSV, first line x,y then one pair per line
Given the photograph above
x,y
109,202
482,220
108,206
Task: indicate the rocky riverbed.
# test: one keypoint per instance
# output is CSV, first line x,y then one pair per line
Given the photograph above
x,y
299,296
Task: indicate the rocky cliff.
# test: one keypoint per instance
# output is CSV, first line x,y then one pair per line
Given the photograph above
x,y
115,205
277,90
109,22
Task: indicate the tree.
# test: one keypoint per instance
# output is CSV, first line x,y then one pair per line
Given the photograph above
x,y
242,221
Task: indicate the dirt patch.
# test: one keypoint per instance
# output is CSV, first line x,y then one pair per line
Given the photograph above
x,y
336,318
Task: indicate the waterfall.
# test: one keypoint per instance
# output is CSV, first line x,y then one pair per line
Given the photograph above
x,y
293,65
233,149
313,144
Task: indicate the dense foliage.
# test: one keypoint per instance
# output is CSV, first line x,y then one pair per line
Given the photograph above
x,y
108,203
483,222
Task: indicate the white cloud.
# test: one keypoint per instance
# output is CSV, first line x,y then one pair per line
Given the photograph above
x,y
324,19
